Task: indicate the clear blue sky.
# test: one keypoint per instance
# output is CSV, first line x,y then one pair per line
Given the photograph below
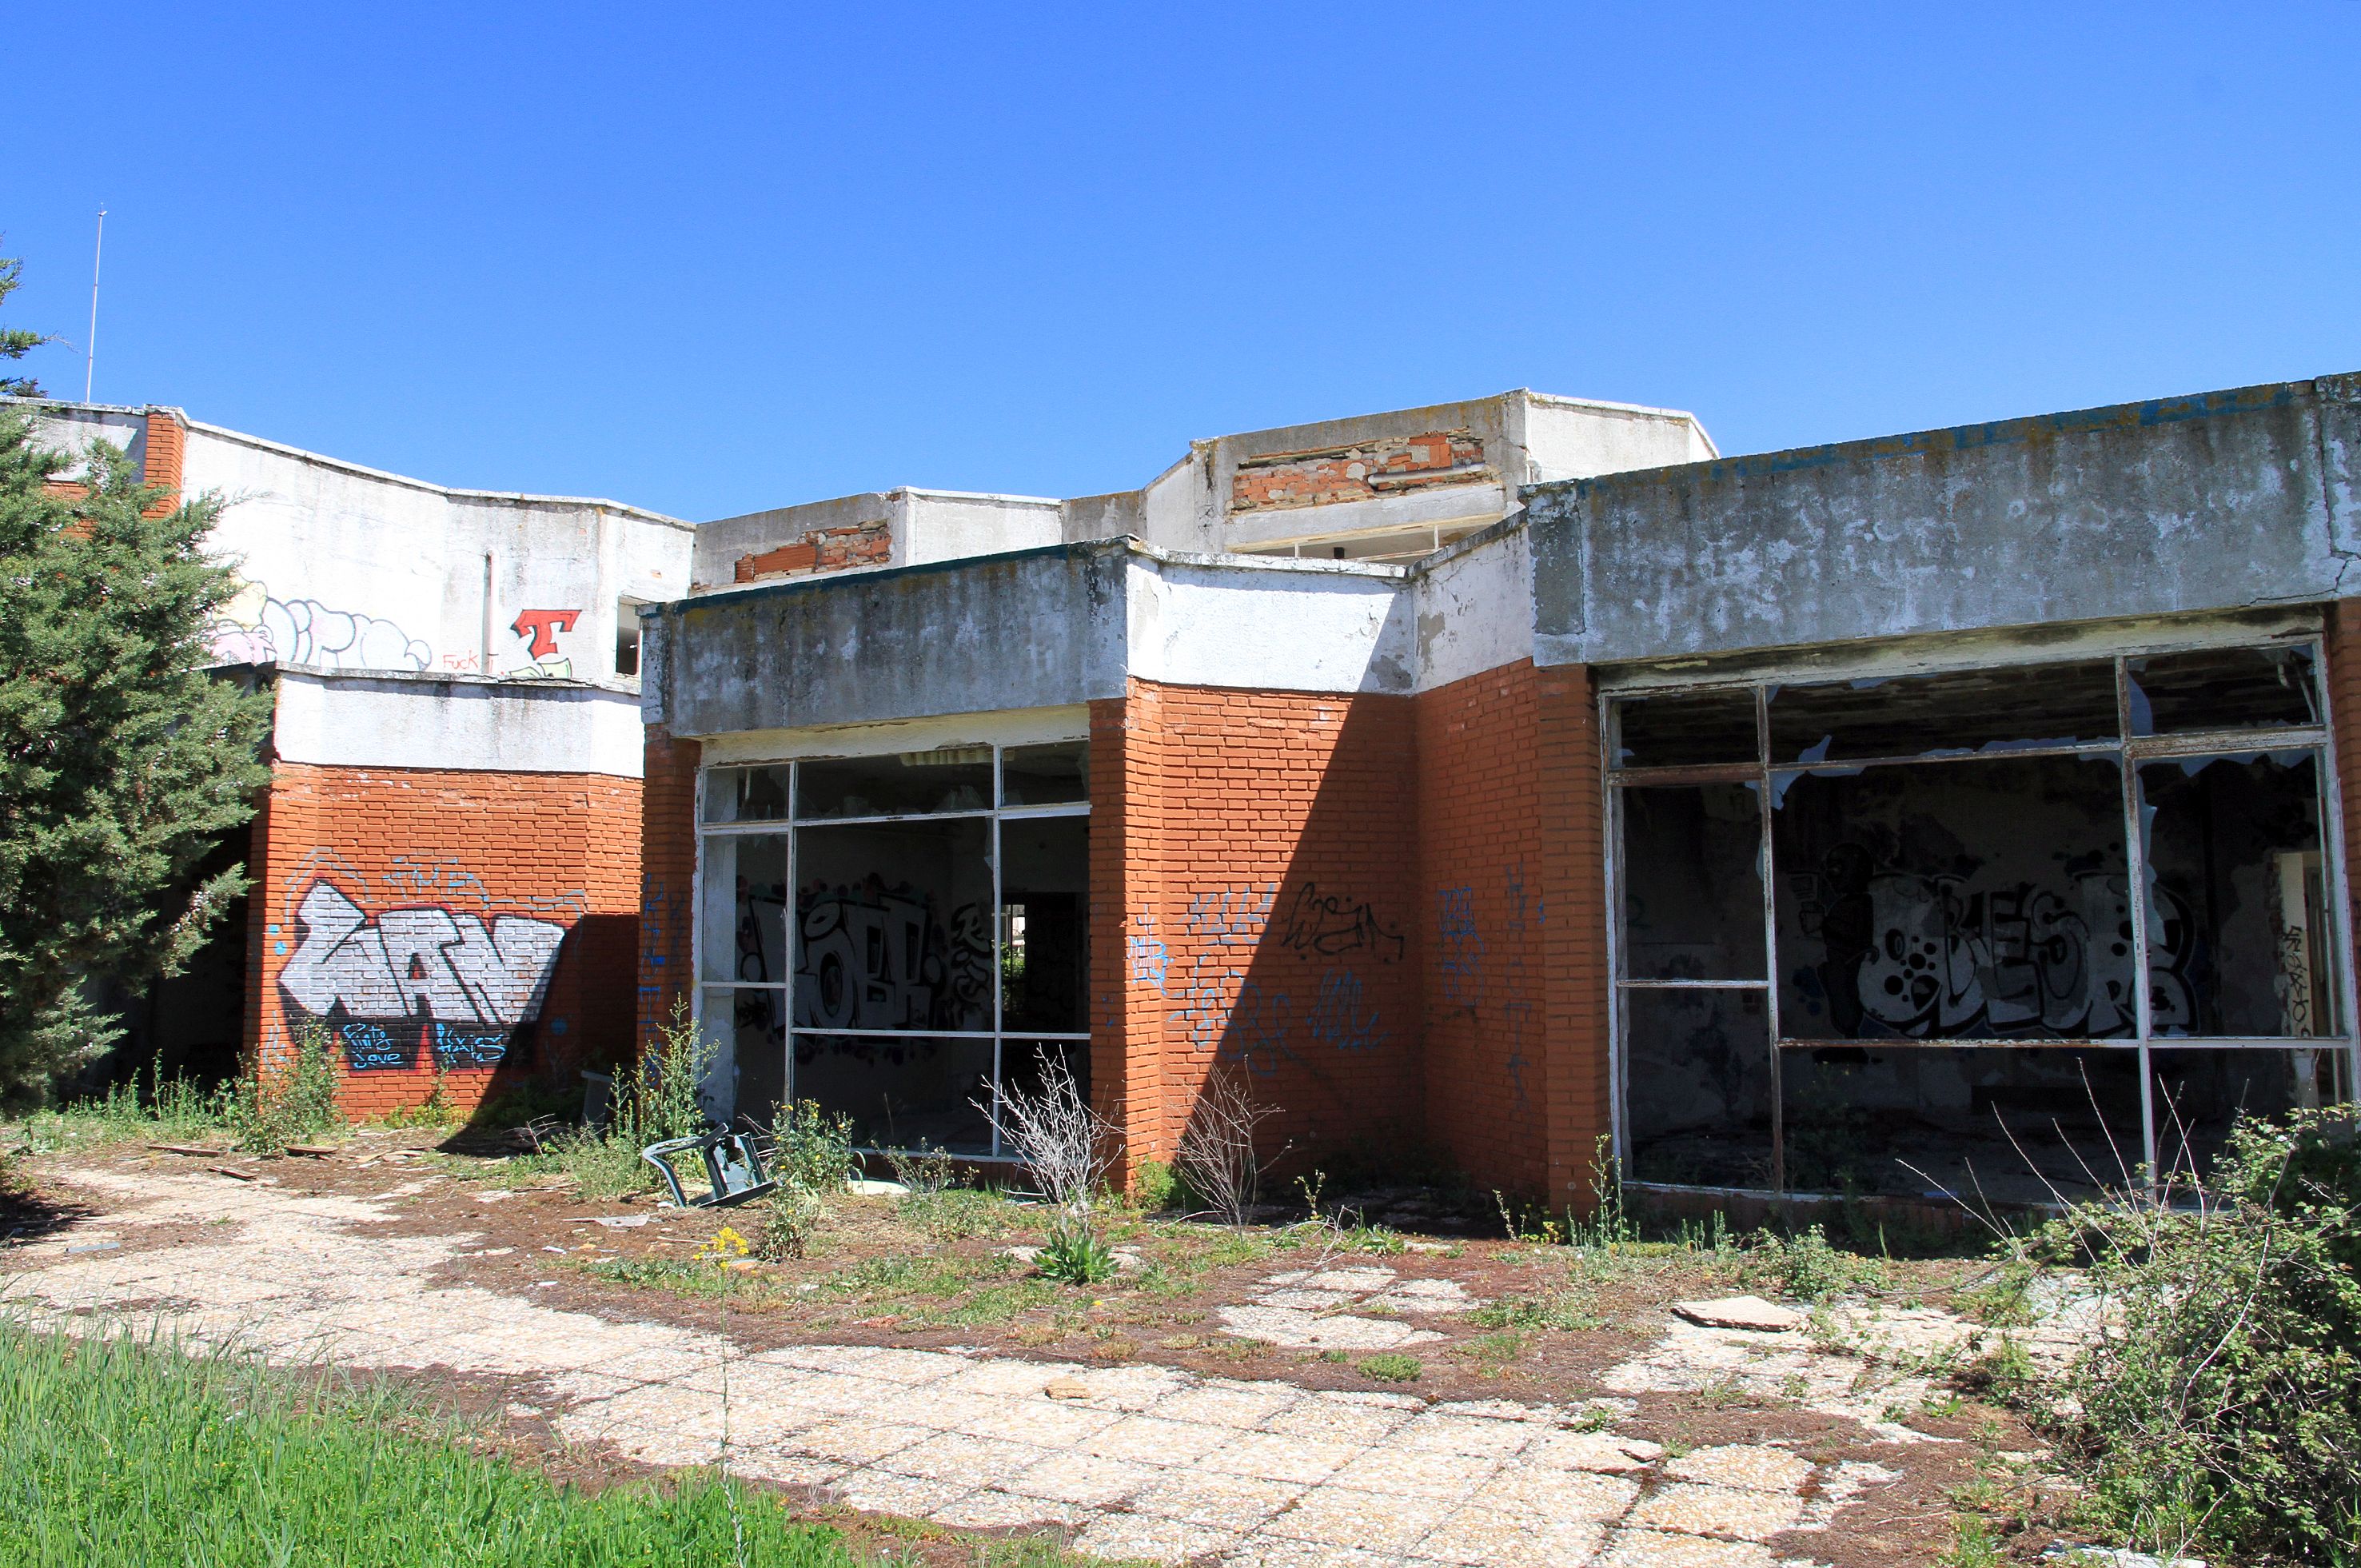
x,y
707,261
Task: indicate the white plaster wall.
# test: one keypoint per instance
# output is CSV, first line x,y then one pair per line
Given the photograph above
x,y
1474,610
352,568
1015,726
939,525
1567,438
1291,626
379,721
72,429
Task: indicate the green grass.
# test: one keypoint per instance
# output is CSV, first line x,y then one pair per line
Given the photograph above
x,y
124,1451
1392,1366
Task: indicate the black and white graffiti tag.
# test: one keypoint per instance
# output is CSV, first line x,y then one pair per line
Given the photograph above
x,y
416,976
879,958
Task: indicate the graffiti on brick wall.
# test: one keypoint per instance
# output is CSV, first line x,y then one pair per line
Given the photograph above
x,y
1219,1009
878,957
255,628
420,977
1341,1017
1331,925
1460,947
1517,1011
1230,916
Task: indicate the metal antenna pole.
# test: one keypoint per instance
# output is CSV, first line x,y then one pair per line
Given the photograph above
x,y
89,359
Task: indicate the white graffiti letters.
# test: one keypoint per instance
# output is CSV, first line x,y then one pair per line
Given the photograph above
x,y
420,962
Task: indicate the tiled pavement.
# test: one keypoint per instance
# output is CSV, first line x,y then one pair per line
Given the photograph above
x,y
1136,1461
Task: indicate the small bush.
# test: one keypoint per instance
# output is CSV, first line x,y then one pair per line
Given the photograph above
x,y
1077,1257
786,1221
2217,1405
1154,1187
1392,1366
286,1100
1806,1268
811,1150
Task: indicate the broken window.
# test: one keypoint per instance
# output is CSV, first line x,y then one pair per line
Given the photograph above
x,y
941,907
1973,711
1698,1068
1692,882
1686,729
2237,911
1960,983
2003,1124
1969,900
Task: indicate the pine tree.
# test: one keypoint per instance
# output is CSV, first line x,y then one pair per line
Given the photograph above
x,y
14,341
122,760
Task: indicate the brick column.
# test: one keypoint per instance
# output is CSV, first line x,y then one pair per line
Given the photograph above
x,y
667,877
1573,799
165,442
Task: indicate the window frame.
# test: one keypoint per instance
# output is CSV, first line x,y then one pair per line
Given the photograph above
x,y
2129,752
789,826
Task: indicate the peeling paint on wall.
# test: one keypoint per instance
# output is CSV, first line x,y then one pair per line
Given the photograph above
x,y
1388,465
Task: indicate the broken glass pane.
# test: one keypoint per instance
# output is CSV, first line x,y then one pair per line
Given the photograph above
x,y
743,936
1692,881
1045,899
894,925
746,794
1046,775
953,778
2198,1093
748,1032
1684,729
2018,1125
2005,709
902,1093
1698,1087
2237,915
1973,900
2222,688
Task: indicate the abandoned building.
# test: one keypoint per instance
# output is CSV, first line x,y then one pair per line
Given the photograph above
x,y
1519,780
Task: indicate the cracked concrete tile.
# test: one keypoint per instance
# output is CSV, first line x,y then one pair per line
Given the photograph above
x,y
1654,1548
1082,1478
1753,1469
860,1441
1363,1520
1005,1511
974,1460
1591,1450
1483,1537
1333,1420
1217,1500
1280,1456
1160,1539
1240,1405
1719,1511
883,1492
1561,1495
1398,1473
1300,1330
1464,1434
1149,1440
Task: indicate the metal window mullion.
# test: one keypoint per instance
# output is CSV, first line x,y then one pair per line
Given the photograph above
x,y
1610,721
791,950
2136,872
999,943
2335,894
1768,875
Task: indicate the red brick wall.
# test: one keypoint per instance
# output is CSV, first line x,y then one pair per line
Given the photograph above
x,y
561,849
166,442
1481,903
1268,921
1384,466
821,549
1571,799
667,877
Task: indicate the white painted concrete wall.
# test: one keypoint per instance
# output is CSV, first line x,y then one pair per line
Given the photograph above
x,y
421,722
1288,625
1473,609
350,568
948,525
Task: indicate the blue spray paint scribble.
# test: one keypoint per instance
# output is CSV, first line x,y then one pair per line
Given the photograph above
x,y
1337,1019
1461,946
